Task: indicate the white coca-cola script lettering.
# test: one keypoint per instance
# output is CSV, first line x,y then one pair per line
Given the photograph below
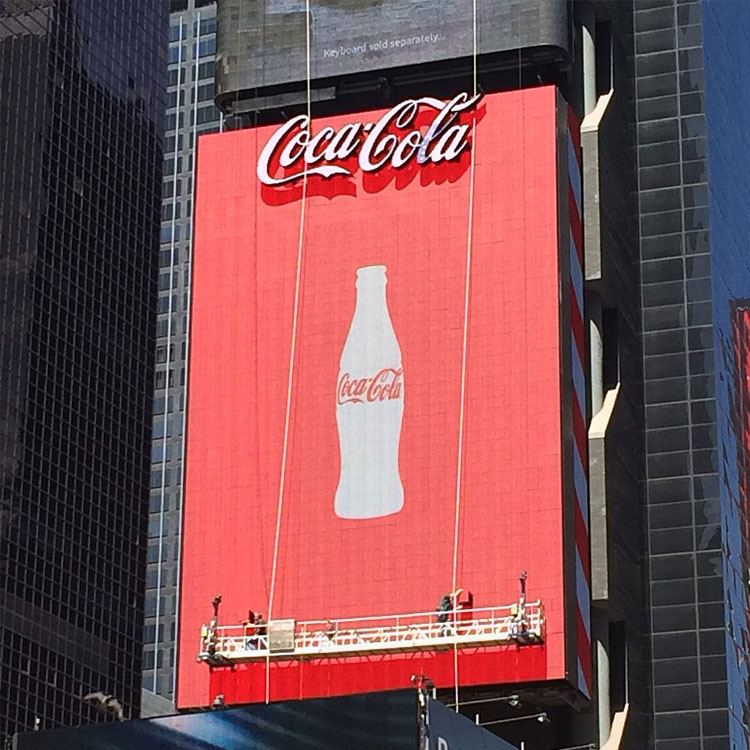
x,y
294,147
386,385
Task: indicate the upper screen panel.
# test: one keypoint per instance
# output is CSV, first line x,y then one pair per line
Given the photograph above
x,y
262,43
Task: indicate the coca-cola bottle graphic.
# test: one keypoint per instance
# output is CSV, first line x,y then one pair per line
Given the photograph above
x,y
370,406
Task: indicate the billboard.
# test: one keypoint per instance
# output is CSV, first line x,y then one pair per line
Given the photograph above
x,y
372,721
263,43
385,389
449,730
383,721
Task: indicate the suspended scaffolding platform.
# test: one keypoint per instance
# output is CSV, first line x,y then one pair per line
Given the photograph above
x,y
521,623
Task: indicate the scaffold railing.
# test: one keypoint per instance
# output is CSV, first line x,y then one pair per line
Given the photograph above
x,y
358,636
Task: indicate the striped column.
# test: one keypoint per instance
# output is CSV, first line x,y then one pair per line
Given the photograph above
x,y
580,460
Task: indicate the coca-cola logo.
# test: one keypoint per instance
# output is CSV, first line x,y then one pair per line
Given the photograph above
x,y
294,147
386,385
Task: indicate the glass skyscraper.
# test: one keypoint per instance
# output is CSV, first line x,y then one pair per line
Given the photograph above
x,y
693,163
81,86
190,112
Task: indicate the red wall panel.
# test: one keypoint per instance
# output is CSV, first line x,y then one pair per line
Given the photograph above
x,y
416,223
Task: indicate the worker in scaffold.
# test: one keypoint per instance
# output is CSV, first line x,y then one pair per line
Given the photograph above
x,y
254,630
444,609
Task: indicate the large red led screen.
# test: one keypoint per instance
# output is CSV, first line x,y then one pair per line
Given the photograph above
x,y
368,424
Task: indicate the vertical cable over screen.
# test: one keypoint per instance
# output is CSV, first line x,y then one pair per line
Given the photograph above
x,y
464,346
292,352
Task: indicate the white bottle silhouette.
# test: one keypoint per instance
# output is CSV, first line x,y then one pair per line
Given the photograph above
x,y
370,406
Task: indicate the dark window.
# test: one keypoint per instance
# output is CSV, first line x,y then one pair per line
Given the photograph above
x,y
611,345
177,53
208,26
207,70
174,32
167,258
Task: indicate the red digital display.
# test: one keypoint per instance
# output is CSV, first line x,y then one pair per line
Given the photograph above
x,y
340,368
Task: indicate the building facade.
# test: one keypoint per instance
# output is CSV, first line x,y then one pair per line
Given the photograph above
x,y
190,112
656,85
80,163
587,52
696,282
